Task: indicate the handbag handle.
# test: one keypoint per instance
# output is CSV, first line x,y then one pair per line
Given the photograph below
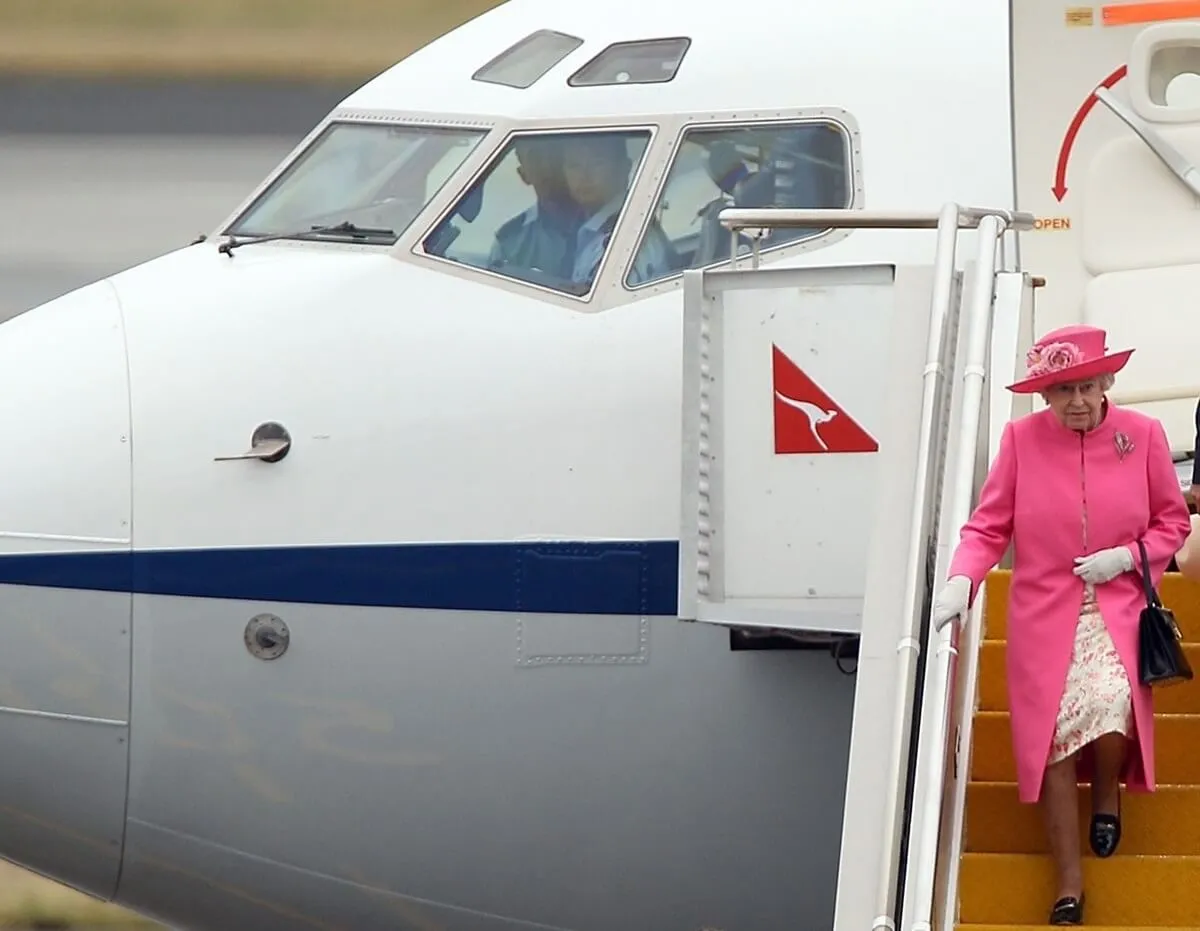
x,y
1152,599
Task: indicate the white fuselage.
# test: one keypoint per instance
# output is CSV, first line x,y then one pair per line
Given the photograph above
x,y
487,715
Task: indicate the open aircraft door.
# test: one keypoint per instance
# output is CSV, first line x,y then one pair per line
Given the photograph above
x,y
1106,110
803,388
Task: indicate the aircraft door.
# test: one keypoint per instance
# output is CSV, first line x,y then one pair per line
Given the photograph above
x,y
278,422
1107,137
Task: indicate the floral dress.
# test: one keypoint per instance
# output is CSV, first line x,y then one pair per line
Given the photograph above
x,y
1096,699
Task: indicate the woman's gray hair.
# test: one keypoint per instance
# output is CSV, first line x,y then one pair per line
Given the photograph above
x,y
1105,381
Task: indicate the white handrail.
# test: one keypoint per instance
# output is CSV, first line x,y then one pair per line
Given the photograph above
x,y
916,557
741,218
935,727
759,220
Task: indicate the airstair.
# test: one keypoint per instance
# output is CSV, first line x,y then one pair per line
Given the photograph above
x,y
1006,881
838,423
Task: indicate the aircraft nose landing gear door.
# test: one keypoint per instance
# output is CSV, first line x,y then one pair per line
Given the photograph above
x,y
792,379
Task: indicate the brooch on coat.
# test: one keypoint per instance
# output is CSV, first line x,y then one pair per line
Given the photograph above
x,y
1124,445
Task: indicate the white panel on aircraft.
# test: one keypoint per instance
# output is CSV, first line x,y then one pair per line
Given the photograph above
x,y
786,386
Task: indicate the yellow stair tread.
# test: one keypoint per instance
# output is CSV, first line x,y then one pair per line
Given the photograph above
x,y
1090,927
1165,822
993,688
1179,594
1176,760
1130,890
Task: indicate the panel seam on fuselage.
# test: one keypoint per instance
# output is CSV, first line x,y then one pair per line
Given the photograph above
x,y
61,538
132,613
317,874
59,716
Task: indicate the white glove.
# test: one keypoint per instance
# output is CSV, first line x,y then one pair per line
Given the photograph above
x,y
951,601
1105,565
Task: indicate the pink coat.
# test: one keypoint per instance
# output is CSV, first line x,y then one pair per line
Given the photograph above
x,y
1044,477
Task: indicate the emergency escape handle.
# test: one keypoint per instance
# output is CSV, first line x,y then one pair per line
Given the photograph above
x,y
1175,161
948,221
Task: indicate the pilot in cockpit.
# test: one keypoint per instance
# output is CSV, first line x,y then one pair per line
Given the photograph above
x,y
597,170
541,238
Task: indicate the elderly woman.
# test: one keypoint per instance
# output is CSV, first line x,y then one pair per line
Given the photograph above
x,y
1074,487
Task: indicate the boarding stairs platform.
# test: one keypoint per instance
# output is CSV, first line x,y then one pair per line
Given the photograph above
x,y
837,425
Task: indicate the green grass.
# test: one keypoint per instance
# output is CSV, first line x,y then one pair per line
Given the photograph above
x,y
230,38
28,900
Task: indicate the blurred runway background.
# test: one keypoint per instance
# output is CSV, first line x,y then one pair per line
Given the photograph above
x,y
98,176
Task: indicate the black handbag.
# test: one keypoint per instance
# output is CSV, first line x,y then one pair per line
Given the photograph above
x,y
1161,660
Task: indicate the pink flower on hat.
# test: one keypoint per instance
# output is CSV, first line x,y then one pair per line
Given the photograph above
x,y
1052,357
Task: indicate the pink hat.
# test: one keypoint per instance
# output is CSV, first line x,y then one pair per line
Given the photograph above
x,y
1072,353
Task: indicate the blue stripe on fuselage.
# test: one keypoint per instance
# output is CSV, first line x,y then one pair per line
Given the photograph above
x,y
636,578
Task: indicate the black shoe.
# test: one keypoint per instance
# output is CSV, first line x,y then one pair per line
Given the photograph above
x,y
1105,832
1067,911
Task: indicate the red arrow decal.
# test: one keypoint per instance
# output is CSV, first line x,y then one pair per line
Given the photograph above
x,y
1064,153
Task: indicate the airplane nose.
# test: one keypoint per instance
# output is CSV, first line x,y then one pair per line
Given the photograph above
x,y
65,588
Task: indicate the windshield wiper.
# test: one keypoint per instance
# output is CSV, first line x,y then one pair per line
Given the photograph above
x,y
314,232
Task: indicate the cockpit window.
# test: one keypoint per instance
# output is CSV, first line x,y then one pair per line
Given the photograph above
x,y
370,174
797,165
522,64
652,61
545,210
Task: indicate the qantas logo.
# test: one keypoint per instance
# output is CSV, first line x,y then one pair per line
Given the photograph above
x,y
814,414
807,420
